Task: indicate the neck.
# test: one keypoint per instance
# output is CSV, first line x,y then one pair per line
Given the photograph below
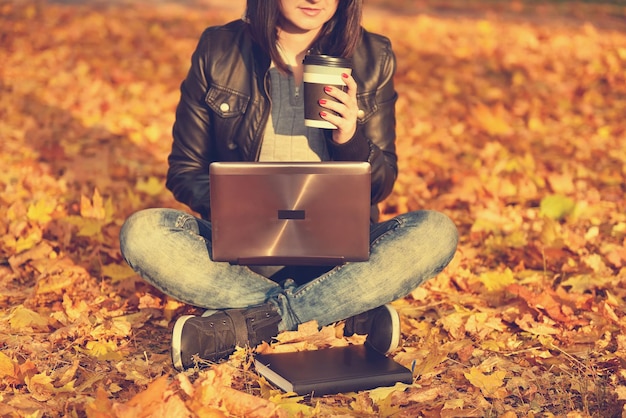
x,y
293,47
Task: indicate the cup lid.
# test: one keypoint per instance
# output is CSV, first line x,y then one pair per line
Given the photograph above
x,y
326,60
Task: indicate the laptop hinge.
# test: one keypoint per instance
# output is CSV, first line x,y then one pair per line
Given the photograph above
x,y
275,260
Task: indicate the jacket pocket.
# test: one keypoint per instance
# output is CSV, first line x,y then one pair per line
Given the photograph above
x,y
367,106
226,103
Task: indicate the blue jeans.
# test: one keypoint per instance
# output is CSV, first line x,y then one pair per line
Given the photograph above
x,y
171,250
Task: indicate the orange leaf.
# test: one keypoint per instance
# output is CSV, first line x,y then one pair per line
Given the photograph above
x,y
493,121
547,302
146,403
101,407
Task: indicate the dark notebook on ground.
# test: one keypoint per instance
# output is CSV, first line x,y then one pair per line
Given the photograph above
x,y
302,213
332,370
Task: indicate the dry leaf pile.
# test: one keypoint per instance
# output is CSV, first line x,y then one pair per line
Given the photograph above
x,y
513,127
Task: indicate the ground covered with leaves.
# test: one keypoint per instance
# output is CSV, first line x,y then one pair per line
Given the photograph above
x,y
510,120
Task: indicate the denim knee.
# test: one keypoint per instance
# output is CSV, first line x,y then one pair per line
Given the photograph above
x,y
135,229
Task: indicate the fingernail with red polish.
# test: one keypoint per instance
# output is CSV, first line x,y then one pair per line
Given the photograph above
x,y
323,114
322,101
327,89
344,75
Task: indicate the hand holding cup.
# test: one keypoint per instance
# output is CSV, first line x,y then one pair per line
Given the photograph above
x,y
330,96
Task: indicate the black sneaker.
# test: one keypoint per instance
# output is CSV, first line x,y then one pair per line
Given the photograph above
x,y
382,326
216,336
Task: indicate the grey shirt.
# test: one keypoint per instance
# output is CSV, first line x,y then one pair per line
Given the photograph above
x,y
286,138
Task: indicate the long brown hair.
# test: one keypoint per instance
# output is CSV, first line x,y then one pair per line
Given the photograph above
x,y
338,37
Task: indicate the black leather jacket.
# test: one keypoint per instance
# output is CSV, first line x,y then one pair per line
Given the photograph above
x,y
225,104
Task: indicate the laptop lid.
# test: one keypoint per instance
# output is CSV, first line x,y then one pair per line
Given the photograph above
x,y
296,213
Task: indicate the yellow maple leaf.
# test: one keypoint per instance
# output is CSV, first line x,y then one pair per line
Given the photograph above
x,y
487,383
28,241
436,354
41,210
92,208
380,394
102,350
25,318
290,403
7,367
495,281
151,186
40,386
87,227
90,228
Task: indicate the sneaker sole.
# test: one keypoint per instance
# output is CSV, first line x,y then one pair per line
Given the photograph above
x,y
395,326
177,335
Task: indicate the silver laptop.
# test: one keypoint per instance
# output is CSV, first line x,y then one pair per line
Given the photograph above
x,y
302,213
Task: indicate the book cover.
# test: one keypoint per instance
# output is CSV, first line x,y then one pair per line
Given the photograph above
x,y
331,370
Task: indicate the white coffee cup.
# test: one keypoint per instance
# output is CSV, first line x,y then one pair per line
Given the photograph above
x,y
321,71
